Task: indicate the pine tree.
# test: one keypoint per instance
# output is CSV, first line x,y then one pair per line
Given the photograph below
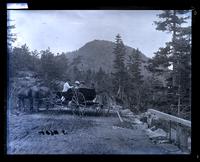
x,y
158,68
134,67
119,75
177,53
159,64
135,81
11,37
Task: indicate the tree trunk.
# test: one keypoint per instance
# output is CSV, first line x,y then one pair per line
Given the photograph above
x,y
173,51
179,100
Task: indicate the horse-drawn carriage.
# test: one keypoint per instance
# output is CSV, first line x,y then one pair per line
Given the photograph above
x,y
77,100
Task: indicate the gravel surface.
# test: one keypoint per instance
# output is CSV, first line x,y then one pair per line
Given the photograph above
x,y
58,133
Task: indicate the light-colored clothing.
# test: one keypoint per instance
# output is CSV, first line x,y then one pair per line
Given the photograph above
x,y
62,98
66,87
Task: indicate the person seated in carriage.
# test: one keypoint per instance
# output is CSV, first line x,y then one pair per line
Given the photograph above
x,y
77,84
66,86
82,85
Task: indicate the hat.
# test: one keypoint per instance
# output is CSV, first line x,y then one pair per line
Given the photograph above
x,y
77,82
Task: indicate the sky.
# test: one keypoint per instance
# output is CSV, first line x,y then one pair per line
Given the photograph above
x,y
69,30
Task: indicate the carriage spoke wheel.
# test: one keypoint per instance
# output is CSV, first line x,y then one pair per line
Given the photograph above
x,y
78,103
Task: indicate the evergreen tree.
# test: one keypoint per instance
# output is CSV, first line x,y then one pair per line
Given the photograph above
x,y
160,63
11,37
135,81
134,67
48,71
177,53
172,21
158,67
119,74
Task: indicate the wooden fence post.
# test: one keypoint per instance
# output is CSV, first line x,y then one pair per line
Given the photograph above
x,y
170,130
149,120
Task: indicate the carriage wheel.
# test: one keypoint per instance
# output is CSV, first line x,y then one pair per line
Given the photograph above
x,y
78,103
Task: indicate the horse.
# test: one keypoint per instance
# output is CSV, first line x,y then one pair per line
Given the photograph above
x,y
34,94
41,93
23,95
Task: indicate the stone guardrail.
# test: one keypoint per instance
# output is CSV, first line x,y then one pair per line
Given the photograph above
x,y
181,129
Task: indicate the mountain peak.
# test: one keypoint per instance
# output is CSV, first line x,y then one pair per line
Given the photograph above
x,y
98,54
98,42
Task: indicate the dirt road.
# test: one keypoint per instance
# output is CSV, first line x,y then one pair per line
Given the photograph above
x,y
32,134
